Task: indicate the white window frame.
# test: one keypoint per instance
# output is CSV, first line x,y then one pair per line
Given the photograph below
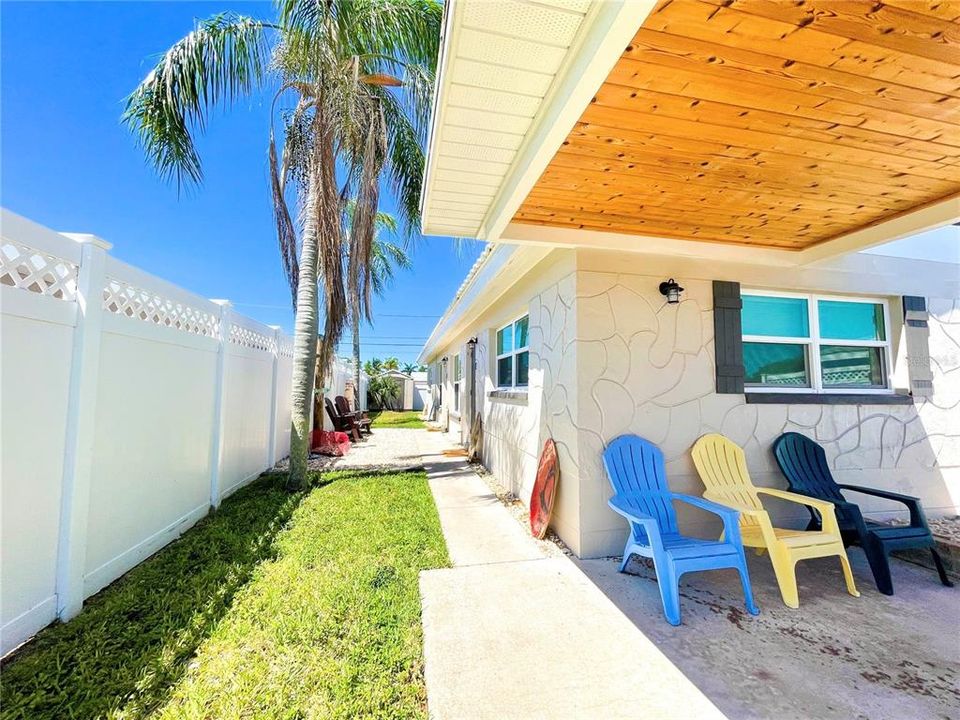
x,y
513,353
457,378
814,342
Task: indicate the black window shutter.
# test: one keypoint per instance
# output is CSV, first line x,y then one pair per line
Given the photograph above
x,y
728,337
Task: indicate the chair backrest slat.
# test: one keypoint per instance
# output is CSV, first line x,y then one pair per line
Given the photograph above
x,y
343,405
722,466
803,463
635,467
332,413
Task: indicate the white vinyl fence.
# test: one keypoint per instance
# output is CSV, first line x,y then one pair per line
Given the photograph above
x,y
130,407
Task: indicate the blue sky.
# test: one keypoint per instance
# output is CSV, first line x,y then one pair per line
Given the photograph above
x,y
68,163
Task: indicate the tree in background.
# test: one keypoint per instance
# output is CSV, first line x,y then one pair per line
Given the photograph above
x,y
339,62
373,367
385,257
391,363
383,392
410,368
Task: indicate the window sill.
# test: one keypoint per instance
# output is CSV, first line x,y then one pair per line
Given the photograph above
x,y
514,397
828,398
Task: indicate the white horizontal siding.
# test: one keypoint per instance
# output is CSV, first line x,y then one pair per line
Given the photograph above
x,y
501,62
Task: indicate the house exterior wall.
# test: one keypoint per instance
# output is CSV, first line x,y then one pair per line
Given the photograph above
x,y
609,356
647,367
515,428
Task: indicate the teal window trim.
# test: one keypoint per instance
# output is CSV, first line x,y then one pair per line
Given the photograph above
x,y
814,342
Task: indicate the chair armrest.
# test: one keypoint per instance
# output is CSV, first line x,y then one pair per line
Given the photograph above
x,y
917,516
828,515
729,515
742,509
704,504
620,505
813,502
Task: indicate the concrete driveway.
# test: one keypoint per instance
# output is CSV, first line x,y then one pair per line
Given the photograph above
x,y
511,632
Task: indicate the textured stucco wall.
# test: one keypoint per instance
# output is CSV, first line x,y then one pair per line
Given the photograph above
x,y
514,430
647,367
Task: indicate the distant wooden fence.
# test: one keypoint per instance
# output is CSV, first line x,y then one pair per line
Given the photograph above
x,y
130,407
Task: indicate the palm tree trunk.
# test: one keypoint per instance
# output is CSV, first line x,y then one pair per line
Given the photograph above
x,y
356,360
305,339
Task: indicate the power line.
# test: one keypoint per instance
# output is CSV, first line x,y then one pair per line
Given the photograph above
x,y
413,345
287,307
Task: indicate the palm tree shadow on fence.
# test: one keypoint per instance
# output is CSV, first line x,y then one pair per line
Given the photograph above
x,y
134,640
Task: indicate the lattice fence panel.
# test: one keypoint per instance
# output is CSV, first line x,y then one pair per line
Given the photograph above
x,y
285,348
122,298
245,337
29,269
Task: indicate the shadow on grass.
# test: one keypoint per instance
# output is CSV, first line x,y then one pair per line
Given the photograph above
x,y
133,640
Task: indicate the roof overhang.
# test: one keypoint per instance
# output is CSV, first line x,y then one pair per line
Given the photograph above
x,y
797,131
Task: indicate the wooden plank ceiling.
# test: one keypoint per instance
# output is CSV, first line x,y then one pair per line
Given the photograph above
x,y
769,123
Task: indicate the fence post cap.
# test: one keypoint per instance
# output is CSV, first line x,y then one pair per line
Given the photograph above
x,y
89,239
221,302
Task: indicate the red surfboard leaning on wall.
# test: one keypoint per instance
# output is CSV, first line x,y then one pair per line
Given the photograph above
x,y
544,490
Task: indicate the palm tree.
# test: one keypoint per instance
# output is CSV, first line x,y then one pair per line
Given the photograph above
x,y
385,257
337,64
373,367
410,368
391,363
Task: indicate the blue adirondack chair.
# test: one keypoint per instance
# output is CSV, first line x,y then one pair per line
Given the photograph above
x,y
636,471
804,464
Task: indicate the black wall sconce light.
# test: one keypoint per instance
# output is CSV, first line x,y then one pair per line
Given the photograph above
x,y
672,290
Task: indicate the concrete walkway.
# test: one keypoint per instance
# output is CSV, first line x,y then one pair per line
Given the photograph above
x,y
511,634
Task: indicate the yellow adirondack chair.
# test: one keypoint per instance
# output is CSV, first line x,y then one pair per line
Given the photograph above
x,y
723,469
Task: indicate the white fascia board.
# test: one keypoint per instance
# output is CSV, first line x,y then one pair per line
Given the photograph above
x,y
440,92
496,274
928,217
607,30
523,234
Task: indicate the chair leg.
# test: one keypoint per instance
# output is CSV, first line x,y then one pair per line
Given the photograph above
x,y
940,569
627,552
747,589
879,564
785,568
848,575
669,583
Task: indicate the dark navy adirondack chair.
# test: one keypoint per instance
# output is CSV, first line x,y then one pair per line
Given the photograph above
x,y
636,471
804,464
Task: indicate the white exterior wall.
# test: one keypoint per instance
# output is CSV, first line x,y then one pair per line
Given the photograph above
x,y
514,430
159,434
609,356
647,367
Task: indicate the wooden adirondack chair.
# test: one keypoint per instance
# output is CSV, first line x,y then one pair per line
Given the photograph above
x,y
723,469
343,424
804,464
636,471
343,407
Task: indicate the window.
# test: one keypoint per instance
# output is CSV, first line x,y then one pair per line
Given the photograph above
x,y
513,357
457,377
811,343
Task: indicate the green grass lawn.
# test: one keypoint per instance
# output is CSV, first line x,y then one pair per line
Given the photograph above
x,y
277,606
396,418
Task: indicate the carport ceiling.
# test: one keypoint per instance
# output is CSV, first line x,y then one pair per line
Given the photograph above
x,y
778,124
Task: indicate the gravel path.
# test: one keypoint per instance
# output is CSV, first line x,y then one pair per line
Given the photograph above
x,y
385,449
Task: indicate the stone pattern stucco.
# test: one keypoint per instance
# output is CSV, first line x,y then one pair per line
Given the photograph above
x,y
647,367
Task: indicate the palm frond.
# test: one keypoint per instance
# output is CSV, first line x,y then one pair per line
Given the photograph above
x,y
225,56
405,164
286,233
